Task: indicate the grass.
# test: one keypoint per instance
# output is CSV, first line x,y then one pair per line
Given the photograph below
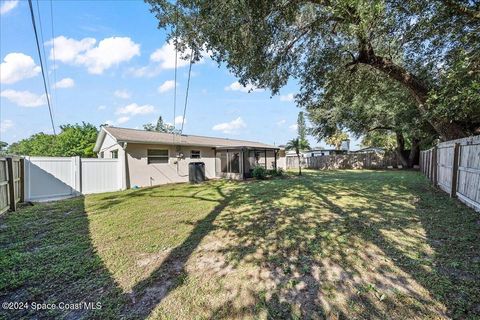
x,y
336,244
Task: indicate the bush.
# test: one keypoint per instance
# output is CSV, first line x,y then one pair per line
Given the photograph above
x,y
276,173
259,173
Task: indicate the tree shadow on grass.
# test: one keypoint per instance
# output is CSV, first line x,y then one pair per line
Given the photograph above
x,y
399,250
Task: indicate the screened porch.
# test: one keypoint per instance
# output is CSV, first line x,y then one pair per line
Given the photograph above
x,y
238,163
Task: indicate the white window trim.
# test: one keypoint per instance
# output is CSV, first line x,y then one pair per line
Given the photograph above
x,y
167,156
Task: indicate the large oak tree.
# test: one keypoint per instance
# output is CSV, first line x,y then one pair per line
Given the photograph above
x,y
415,43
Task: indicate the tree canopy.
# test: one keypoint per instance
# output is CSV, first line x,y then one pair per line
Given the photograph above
x,y
160,126
427,51
73,140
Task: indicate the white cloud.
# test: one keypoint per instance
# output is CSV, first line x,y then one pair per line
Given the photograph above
x,y
230,127
24,98
67,50
16,67
134,109
293,127
288,97
102,107
8,6
236,86
65,83
121,120
108,53
145,71
179,119
124,94
281,122
5,125
164,58
166,86
165,55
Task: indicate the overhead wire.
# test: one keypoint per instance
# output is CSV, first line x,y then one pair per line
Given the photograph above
x,y
43,43
53,55
186,92
41,66
175,73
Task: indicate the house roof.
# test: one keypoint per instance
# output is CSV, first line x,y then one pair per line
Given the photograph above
x,y
153,137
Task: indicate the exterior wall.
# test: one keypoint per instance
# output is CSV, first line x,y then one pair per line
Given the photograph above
x,y
142,174
109,144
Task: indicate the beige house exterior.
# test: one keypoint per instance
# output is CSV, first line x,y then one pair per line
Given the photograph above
x,y
151,158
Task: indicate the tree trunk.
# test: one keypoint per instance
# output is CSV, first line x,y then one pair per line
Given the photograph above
x,y
446,130
401,148
414,151
299,166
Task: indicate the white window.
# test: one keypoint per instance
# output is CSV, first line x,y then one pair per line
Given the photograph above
x,y
102,154
114,154
195,154
157,156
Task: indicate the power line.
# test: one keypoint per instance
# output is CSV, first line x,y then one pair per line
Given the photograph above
x,y
188,87
43,42
53,55
175,74
41,65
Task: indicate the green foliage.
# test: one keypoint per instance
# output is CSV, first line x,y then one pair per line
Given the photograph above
x,y
336,139
3,146
73,140
276,173
297,145
301,126
420,46
160,126
259,172
381,139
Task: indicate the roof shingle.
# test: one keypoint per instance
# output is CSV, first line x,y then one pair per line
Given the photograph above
x,y
142,136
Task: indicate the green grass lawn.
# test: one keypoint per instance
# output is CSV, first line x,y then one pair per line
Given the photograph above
x,y
336,245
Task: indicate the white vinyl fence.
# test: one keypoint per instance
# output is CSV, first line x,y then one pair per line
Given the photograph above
x,y
49,178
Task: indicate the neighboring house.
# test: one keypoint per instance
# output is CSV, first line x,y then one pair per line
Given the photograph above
x,y
151,158
370,150
315,153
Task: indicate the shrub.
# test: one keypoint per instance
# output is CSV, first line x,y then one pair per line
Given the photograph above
x,y
259,173
276,173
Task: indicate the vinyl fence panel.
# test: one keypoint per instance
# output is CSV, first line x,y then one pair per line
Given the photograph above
x,y
100,175
49,177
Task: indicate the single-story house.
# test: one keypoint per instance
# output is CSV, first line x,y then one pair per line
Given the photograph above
x,y
315,153
151,158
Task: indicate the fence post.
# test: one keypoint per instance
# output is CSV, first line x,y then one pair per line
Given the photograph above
x,y
456,151
11,185
22,179
434,166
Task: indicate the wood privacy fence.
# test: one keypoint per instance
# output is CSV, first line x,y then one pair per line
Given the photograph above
x,y
346,161
454,167
11,183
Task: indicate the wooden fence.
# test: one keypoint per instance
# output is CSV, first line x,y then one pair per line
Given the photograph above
x,y
346,161
454,167
11,183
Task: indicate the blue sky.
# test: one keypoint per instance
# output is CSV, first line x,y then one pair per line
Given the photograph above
x,y
113,65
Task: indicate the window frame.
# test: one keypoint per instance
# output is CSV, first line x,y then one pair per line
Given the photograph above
x,y
167,157
114,154
195,157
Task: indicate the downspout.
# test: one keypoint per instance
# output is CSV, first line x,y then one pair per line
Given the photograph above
x,y
124,167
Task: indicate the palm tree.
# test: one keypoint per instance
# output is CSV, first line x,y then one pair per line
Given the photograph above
x,y
298,145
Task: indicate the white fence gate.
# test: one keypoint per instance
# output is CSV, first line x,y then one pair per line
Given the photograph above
x,y
49,178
